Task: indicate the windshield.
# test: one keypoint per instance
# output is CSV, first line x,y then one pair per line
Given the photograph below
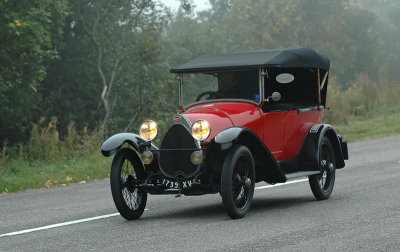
x,y
228,85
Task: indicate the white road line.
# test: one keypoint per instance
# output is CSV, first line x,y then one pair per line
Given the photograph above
x,y
112,215
287,183
59,225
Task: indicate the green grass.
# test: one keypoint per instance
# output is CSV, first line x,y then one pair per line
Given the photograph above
x,y
376,124
19,175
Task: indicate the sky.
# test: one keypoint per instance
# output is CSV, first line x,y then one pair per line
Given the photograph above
x,y
200,4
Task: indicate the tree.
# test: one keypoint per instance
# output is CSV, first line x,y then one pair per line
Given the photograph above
x,y
331,27
111,65
31,33
387,30
334,28
110,25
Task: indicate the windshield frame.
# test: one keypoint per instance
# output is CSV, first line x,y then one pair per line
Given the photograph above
x,y
261,74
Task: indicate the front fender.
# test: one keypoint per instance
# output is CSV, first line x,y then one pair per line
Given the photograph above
x,y
114,143
226,137
267,168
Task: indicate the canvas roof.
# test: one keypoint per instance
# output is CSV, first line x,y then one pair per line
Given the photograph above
x,y
284,58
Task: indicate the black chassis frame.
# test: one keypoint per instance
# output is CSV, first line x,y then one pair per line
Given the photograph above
x,y
207,180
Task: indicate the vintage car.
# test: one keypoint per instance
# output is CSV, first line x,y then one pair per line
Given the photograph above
x,y
244,117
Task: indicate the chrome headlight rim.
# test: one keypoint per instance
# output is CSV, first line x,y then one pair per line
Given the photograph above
x,y
148,123
201,122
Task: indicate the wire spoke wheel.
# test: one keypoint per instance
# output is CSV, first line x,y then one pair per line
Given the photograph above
x,y
240,191
237,181
126,169
322,184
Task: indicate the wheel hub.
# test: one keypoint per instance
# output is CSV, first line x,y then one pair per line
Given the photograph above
x,y
247,182
322,180
330,167
130,184
326,167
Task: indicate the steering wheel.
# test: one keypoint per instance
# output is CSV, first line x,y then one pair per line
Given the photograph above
x,y
216,94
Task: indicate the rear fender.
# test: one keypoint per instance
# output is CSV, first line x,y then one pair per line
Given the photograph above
x,y
308,159
115,142
267,168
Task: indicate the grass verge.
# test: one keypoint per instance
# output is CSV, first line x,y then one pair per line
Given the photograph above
x,y
19,175
376,124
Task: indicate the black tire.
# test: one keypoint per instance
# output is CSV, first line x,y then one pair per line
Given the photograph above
x,y
126,168
322,184
237,181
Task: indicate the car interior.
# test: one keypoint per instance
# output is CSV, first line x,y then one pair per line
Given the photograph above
x,y
295,88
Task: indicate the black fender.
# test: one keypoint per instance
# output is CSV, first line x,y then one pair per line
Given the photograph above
x,y
267,168
115,142
308,159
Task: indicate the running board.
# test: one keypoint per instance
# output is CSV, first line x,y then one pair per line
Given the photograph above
x,y
300,174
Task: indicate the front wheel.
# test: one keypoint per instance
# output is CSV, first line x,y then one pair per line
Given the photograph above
x,y
126,169
237,181
322,184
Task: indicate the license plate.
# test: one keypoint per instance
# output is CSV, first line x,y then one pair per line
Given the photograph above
x,y
175,184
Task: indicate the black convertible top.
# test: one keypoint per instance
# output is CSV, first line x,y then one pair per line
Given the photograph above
x,y
284,58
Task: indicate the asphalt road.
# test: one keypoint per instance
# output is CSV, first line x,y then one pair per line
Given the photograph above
x,y
363,214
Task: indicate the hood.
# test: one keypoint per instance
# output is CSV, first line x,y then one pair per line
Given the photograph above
x,y
223,115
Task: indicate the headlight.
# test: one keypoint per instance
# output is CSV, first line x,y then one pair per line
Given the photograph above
x,y
201,130
148,130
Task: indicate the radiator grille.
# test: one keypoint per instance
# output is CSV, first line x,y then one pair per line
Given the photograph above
x,y
176,147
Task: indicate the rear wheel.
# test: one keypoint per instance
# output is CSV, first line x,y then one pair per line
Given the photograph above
x,y
126,169
237,181
322,184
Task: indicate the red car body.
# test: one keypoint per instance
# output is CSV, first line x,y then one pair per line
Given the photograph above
x,y
282,132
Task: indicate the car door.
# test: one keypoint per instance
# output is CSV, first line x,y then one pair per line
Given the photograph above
x,y
274,132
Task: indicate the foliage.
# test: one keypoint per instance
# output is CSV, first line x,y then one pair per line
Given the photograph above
x,y
112,66
46,146
255,25
31,35
45,160
102,67
363,98
377,123
114,56
388,32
